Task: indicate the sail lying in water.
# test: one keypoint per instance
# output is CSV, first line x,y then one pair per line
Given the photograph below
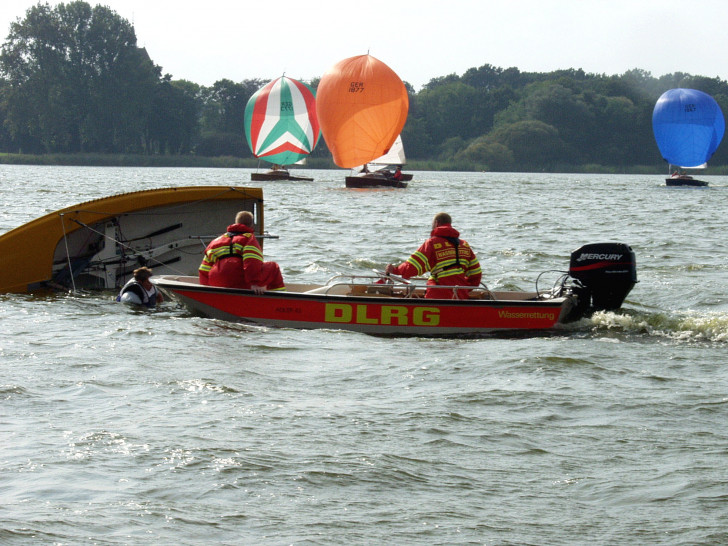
x,y
362,107
688,126
281,124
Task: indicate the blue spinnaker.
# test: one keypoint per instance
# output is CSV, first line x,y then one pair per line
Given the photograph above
x,y
688,127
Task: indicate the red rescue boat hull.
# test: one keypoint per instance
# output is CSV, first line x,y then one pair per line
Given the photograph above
x,y
369,314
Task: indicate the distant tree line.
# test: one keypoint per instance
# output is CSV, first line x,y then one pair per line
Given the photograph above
x,y
73,80
507,119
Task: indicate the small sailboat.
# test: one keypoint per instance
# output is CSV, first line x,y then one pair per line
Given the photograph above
x,y
688,126
362,107
383,170
281,126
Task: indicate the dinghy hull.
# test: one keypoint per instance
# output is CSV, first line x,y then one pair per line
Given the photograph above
x,y
98,244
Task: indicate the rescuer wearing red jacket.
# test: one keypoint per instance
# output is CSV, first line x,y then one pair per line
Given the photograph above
x,y
235,260
449,259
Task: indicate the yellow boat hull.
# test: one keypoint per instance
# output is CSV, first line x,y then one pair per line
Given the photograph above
x,y
98,243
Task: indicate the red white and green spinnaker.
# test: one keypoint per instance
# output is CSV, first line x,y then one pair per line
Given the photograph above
x,y
281,123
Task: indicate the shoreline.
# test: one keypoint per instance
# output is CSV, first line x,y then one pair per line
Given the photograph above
x,y
229,162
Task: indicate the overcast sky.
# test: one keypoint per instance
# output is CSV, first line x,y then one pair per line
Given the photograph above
x,y
205,41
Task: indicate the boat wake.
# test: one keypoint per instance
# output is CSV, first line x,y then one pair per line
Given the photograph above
x,y
682,326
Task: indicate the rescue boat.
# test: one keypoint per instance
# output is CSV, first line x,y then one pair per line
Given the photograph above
x,y
98,244
600,277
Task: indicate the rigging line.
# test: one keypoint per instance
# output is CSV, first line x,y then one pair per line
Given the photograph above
x,y
68,253
125,246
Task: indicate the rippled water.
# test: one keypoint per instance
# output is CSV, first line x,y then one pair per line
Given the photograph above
x,y
128,427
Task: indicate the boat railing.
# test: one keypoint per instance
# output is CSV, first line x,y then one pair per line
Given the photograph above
x,y
376,285
348,285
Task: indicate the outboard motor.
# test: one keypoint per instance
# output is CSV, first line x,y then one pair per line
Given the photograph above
x,y
607,272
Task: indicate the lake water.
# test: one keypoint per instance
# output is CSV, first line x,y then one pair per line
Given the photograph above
x,y
120,426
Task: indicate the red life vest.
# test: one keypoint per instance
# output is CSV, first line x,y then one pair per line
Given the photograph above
x,y
235,260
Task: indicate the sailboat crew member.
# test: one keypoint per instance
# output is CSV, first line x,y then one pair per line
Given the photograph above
x,y
449,259
140,290
235,260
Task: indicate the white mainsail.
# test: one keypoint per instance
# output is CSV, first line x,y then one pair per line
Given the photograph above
x,y
395,156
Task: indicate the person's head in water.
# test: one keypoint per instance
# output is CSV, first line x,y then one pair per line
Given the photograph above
x,y
140,290
142,274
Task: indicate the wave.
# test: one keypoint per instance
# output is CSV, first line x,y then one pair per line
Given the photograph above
x,y
684,326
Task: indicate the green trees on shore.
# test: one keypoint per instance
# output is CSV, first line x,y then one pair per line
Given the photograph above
x,y
73,80
503,119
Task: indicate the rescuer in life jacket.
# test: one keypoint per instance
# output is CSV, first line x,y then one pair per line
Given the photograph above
x,y
140,290
449,259
235,260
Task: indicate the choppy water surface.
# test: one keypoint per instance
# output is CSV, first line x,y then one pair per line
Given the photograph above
x,y
127,427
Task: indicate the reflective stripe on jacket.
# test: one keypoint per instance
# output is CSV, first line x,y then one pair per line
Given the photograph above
x,y
238,244
447,265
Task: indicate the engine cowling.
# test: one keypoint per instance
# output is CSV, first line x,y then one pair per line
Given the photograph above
x,y
607,271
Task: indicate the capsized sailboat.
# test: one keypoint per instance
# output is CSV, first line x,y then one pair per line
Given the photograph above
x,y
688,126
281,126
362,107
99,243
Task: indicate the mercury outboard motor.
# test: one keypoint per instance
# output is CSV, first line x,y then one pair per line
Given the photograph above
x,y
607,273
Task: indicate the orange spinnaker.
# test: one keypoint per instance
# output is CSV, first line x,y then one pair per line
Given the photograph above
x,y
362,107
